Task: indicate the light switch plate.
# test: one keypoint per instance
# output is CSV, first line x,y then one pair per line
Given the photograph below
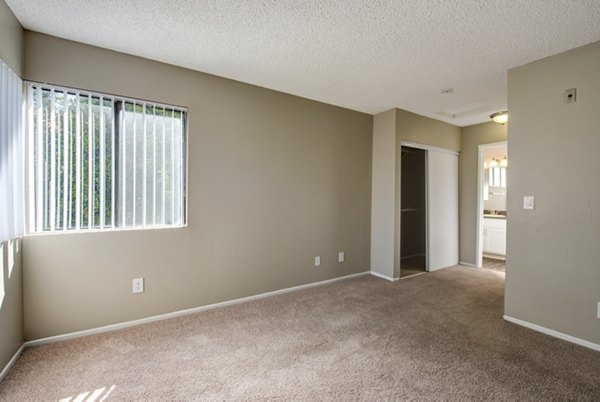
x,y
341,256
598,310
317,261
528,202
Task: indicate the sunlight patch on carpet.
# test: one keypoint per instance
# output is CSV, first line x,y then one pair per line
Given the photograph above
x,y
99,395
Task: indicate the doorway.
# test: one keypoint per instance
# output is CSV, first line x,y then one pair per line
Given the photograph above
x,y
491,205
428,209
413,210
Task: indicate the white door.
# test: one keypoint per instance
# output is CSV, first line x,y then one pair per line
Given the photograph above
x,y
442,209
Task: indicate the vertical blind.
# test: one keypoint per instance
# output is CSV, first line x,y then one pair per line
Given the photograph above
x,y
11,154
151,182
99,162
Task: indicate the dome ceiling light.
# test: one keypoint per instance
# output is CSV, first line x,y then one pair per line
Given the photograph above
x,y
500,117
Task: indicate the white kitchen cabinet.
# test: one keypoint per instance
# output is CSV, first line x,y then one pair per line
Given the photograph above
x,y
494,236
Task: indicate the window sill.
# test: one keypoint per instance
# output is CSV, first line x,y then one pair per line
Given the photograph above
x,y
109,230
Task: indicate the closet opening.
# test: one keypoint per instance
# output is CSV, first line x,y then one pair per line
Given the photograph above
x,y
413,209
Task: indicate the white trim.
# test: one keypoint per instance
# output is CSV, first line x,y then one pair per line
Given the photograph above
x,y
179,313
551,332
95,94
429,148
468,264
479,221
11,362
387,278
105,230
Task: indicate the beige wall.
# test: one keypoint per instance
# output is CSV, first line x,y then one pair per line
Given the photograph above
x,y
11,297
11,300
553,272
383,193
274,180
411,127
472,137
11,39
423,130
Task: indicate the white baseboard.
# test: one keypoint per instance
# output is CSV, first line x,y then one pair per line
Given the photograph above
x,y
387,278
179,313
551,332
11,362
468,264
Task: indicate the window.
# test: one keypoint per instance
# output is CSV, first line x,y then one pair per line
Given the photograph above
x,y
98,162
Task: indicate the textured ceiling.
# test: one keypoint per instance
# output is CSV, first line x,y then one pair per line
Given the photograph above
x,y
369,56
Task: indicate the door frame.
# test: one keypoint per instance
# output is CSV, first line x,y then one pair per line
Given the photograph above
x,y
479,228
427,148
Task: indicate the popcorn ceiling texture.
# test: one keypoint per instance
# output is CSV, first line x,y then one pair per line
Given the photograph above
x,y
369,56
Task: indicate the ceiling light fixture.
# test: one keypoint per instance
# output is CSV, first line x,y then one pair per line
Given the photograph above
x,y
500,117
495,162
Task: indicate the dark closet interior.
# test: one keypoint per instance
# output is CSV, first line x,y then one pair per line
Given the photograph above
x,y
413,232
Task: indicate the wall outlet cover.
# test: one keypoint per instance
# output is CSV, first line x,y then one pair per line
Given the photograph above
x,y
317,261
341,256
138,285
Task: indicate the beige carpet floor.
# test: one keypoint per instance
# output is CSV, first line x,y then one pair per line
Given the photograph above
x,y
434,336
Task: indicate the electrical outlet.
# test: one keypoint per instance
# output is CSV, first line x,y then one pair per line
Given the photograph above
x,y
317,261
598,312
138,285
341,256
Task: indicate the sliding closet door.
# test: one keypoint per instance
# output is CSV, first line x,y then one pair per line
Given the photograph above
x,y
442,203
